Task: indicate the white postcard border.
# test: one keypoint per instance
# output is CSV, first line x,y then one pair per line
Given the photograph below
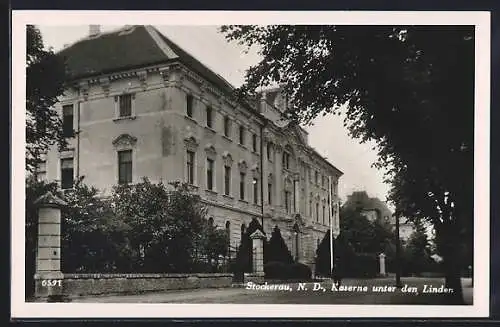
x,y
480,308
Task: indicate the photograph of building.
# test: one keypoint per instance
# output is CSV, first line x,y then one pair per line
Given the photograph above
x,y
140,106
179,163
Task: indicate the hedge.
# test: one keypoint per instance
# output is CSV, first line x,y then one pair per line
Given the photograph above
x,y
286,271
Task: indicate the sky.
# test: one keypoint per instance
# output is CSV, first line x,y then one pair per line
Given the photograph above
x,y
327,135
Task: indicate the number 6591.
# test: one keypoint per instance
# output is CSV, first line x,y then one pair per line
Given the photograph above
x,y
51,282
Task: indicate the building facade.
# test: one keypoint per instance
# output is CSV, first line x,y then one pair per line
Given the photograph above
x,y
140,106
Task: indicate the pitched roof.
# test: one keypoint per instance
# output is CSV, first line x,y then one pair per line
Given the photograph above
x,y
127,48
112,52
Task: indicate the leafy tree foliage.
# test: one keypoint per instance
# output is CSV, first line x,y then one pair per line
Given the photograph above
x,y
365,236
408,88
94,239
143,227
213,243
163,224
45,76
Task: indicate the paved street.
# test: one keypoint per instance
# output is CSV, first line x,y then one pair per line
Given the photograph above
x,y
307,295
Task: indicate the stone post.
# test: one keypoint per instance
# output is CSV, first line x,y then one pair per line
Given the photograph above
x,y
382,264
258,251
48,276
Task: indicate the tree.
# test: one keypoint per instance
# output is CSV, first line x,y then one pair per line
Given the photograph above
x,y
94,239
408,88
343,251
45,76
276,250
418,249
164,224
213,243
357,229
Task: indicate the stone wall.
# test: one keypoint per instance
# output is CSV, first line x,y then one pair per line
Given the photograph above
x,y
75,285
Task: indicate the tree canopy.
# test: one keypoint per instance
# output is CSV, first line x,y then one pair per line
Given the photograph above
x,y
408,88
45,76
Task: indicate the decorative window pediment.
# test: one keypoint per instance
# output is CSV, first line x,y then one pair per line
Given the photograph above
x,y
191,142
228,159
210,150
242,165
256,171
124,141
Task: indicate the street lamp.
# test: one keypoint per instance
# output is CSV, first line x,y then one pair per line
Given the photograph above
x,y
398,255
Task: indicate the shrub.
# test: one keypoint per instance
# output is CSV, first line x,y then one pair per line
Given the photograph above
x,y
276,249
300,271
361,265
286,271
276,270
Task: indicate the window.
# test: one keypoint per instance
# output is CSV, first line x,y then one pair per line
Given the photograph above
x,y
255,183
209,117
227,180
68,121
269,151
270,193
228,231
254,143
316,175
227,126
190,167
210,174
294,205
189,105
242,135
286,160
287,201
66,173
125,105
317,212
41,171
310,208
242,186
323,214
125,167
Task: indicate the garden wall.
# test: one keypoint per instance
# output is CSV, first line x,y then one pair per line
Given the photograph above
x,y
75,285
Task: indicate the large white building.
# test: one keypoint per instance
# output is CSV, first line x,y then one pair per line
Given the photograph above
x,y
139,106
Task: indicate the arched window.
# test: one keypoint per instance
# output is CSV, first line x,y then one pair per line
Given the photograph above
x,y
211,222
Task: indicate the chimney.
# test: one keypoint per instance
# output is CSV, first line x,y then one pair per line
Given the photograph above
x,y
94,30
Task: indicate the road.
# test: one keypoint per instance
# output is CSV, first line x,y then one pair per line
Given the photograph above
x,y
307,293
